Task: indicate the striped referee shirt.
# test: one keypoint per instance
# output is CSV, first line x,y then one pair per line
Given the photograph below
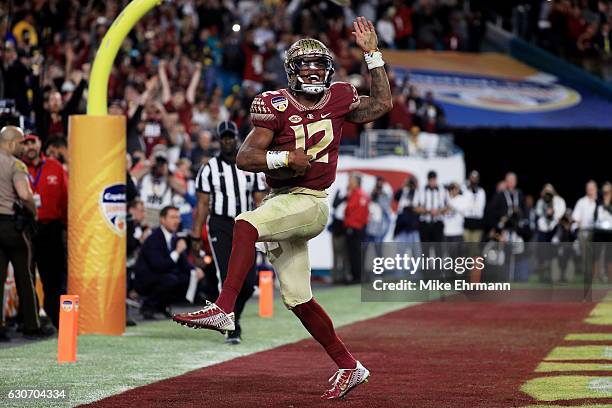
x,y
432,199
231,189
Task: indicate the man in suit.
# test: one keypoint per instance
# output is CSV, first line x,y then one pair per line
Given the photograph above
x,y
162,269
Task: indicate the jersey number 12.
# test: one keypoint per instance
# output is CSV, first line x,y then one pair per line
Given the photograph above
x,y
307,131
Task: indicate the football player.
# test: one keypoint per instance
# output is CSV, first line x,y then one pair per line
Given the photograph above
x,y
295,140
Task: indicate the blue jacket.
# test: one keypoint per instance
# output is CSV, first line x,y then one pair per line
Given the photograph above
x,y
154,259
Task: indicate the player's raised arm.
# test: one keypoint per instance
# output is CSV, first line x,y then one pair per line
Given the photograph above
x,y
254,155
379,102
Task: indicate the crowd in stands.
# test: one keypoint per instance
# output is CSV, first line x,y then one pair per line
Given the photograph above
x,y
433,214
190,64
577,30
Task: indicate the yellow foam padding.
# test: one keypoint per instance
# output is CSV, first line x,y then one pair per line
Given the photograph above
x,y
96,242
568,387
547,367
601,352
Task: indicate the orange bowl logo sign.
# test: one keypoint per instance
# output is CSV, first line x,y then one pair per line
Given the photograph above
x,y
497,94
67,305
112,205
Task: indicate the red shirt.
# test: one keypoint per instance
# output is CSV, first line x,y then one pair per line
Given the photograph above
x,y
317,129
402,22
356,212
185,113
50,181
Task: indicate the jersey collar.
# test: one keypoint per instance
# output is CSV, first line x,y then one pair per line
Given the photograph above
x,y
302,108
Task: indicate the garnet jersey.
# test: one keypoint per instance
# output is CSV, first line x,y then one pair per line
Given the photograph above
x,y
317,129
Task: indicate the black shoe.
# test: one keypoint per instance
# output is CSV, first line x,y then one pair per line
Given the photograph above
x,y
130,323
4,338
167,312
234,337
40,333
148,314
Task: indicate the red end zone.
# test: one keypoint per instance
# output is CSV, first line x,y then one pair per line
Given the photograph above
x,y
441,354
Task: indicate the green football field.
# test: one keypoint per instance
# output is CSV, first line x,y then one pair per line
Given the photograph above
x,y
157,350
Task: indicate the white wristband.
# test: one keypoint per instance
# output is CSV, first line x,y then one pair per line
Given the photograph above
x,y
276,159
374,59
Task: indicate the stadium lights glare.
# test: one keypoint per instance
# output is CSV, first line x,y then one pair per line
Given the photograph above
x,y
236,28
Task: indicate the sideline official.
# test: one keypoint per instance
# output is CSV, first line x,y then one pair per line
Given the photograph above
x,y
224,192
49,182
17,211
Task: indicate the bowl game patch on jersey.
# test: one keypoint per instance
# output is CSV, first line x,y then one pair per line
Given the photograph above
x,y
279,103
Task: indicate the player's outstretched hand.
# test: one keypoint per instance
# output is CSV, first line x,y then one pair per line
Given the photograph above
x,y
365,34
299,161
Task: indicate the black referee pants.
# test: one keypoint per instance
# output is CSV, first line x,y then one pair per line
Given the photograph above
x,y
220,234
50,258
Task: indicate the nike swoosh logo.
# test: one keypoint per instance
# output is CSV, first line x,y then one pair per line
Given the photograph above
x,y
326,115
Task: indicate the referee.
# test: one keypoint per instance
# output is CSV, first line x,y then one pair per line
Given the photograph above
x,y
433,204
224,192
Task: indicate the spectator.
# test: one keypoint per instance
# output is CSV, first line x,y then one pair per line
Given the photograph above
x,y
158,188
57,148
402,22
416,147
203,150
52,115
180,101
379,217
162,271
137,233
340,269
386,29
49,182
431,115
407,222
355,222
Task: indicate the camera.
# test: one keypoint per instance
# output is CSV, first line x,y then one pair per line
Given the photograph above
x,y
548,197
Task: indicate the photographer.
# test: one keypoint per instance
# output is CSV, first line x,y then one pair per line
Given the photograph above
x,y
17,214
549,210
507,209
563,235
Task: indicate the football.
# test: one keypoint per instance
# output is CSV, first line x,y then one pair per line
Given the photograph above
x,y
283,173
